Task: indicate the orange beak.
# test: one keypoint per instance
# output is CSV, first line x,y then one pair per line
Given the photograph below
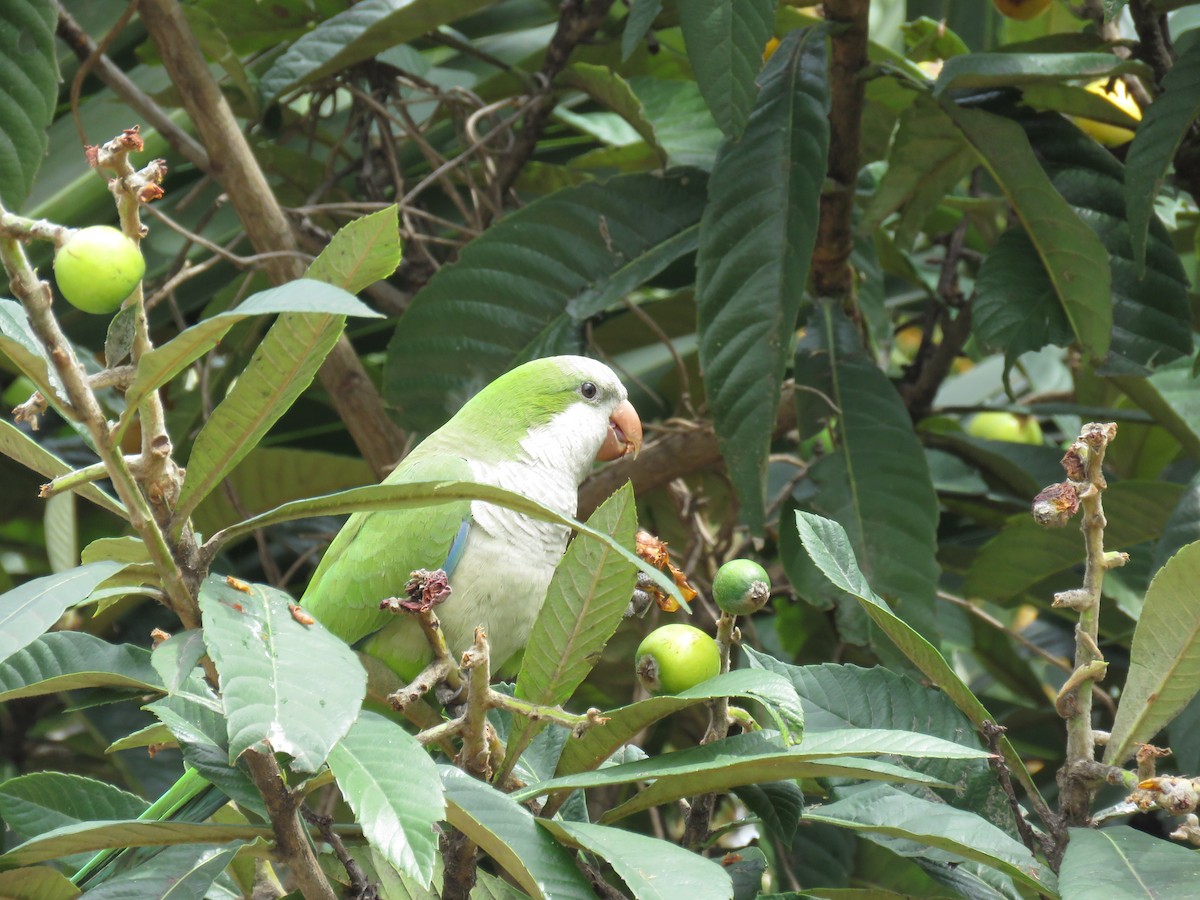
x,y
624,433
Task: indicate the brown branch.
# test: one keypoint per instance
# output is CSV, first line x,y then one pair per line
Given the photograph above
x,y
832,275
1154,41
350,388
992,733
577,21
361,887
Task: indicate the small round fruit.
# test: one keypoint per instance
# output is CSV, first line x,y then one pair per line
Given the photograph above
x,y
741,587
1022,10
1003,426
676,657
97,268
1115,92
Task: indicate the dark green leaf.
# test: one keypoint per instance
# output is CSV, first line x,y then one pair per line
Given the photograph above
x,y
177,873
1163,128
27,611
42,801
989,70
63,660
642,14
725,44
28,91
294,686
393,788
756,239
525,287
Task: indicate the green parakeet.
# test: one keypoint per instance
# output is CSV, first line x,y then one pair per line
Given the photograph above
x,y
537,431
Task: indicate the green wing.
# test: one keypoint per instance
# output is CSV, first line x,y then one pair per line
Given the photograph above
x,y
374,553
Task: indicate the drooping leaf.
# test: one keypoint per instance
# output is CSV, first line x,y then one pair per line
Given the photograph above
x,y
991,70
19,344
600,742
357,34
883,809
1170,397
27,611
1164,661
526,286
393,787
433,493
1164,125
1073,256
28,91
43,801
829,546
927,159
1121,862
293,685
609,89
17,445
756,239
509,834
64,660
876,469
725,44
584,605
641,861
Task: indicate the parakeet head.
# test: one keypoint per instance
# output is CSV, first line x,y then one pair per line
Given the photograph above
x,y
564,410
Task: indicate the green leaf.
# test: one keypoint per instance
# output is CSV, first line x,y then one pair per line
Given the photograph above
x,y
1137,511
526,286
642,861
584,604
64,660
175,659
43,801
990,70
270,476
294,686
393,788
27,611
928,158
1016,308
16,444
682,122
725,43
642,14
304,295
1164,125
61,529
756,239
359,33
609,89
88,837
828,545
779,804
509,834
600,742
36,883
1164,661
362,252
1075,259
432,493
877,468
177,873
28,93
882,809
1170,397
19,344
1120,862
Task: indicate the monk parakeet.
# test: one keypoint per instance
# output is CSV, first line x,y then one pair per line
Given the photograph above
x,y
536,431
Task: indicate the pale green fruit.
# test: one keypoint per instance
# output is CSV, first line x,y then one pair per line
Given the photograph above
x,y
741,587
1003,426
97,268
676,657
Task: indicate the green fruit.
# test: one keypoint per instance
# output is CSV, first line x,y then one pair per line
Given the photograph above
x,y
741,587
1002,426
97,268
674,658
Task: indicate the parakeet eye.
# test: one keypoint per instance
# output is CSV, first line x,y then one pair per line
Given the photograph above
x,y
589,390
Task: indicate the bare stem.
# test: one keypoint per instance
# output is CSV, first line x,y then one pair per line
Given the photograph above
x,y
699,818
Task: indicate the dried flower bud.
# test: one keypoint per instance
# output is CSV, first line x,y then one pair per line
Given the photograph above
x,y
654,551
1074,462
1098,435
1055,504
